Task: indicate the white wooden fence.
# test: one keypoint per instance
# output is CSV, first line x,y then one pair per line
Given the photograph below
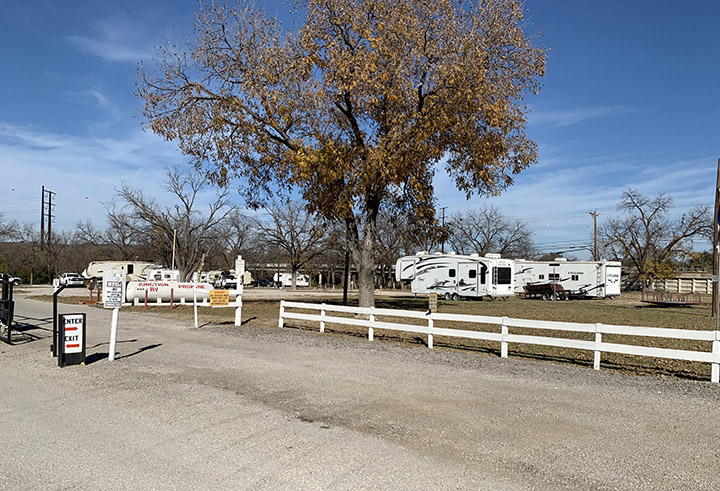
x,y
504,337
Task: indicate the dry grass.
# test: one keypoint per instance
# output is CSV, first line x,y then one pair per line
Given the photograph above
x,y
626,310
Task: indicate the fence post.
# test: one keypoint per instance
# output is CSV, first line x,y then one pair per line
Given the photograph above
x,y
598,340
430,326
503,337
715,371
238,309
282,311
371,330
322,319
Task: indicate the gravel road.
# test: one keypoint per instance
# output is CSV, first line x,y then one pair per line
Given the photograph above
x,y
265,408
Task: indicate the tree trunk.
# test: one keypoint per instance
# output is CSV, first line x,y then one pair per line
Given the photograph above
x,y
366,276
363,252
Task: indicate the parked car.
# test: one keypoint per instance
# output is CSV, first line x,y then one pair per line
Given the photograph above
x,y
263,283
226,281
72,279
12,279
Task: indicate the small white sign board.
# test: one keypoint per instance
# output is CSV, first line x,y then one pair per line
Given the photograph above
x,y
113,288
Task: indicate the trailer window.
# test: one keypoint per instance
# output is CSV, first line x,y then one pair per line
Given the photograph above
x,y
451,273
554,276
130,268
502,276
575,277
472,274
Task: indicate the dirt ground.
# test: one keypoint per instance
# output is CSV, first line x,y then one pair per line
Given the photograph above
x,y
257,407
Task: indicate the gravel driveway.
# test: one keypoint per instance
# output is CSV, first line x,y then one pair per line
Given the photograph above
x,y
265,408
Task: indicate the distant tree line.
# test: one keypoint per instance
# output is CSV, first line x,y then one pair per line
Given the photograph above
x,y
285,237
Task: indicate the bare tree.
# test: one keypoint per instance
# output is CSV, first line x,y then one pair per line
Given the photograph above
x,y
486,230
9,229
195,233
298,234
647,238
234,234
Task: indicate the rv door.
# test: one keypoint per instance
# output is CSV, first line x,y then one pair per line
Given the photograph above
x,y
468,279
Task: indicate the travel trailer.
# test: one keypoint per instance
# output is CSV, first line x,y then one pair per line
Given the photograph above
x,y
589,279
285,279
134,270
455,276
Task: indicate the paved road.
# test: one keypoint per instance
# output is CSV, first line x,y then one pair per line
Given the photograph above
x,y
263,408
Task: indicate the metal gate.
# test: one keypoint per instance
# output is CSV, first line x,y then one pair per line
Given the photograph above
x,y
7,309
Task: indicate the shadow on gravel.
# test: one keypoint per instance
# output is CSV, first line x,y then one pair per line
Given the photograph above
x,y
144,348
28,329
90,359
95,357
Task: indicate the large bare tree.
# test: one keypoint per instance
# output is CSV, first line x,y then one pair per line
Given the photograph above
x,y
486,229
357,108
298,235
648,238
195,232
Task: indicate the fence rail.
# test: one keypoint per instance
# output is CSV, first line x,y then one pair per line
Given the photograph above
x,y
505,337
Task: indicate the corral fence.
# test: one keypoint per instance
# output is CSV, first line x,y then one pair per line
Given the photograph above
x,y
685,285
368,318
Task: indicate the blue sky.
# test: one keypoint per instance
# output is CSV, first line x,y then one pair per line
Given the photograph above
x,y
630,99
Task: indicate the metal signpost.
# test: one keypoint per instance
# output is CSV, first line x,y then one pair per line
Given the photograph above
x,y
113,295
240,272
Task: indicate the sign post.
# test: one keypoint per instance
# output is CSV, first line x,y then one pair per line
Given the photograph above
x,y
240,272
113,294
72,340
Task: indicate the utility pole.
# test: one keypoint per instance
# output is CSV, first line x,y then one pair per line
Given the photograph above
x,y
50,216
42,219
46,214
442,246
595,250
716,231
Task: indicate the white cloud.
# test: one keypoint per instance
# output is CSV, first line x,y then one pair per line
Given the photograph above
x,y
117,41
569,117
82,170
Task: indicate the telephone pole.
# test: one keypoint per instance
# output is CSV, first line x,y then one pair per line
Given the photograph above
x,y
442,246
46,212
715,248
595,250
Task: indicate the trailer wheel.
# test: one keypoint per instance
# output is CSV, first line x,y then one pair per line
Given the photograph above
x,y
545,296
448,296
455,297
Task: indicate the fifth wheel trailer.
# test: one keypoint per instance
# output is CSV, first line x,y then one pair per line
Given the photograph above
x,y
589,279
455,276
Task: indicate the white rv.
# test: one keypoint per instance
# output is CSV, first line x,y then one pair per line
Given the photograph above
x,y
285,279
134,270
455,276
592,279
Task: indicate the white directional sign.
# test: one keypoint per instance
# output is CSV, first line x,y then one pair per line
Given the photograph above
x,y
113,288
74,330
